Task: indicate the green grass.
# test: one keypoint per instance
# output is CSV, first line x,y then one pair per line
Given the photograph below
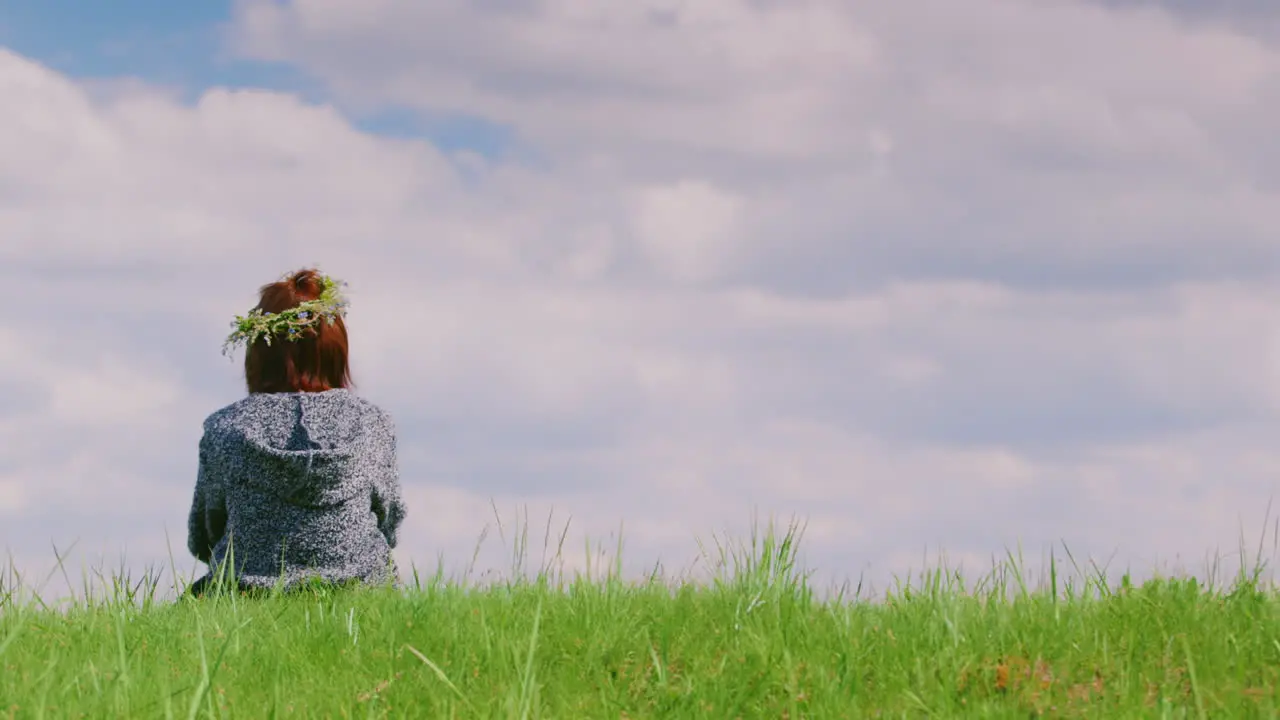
x,y
753,642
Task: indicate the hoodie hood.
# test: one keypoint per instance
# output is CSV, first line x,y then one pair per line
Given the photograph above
x,y
302,447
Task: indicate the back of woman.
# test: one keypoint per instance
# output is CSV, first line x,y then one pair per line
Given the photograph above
x,y
298,481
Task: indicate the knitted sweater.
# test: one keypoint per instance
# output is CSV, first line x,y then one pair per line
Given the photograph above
x,y
298,485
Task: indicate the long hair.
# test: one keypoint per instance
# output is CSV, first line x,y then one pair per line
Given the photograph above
x,y
315,362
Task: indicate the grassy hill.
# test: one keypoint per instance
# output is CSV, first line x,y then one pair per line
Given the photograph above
x,y
755,643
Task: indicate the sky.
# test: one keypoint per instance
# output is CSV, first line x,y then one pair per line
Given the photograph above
x,y
942,280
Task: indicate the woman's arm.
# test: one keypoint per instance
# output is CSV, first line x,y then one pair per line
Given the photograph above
x,y
208,518
388,507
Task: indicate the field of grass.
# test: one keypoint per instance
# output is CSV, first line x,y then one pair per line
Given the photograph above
x,y
756,642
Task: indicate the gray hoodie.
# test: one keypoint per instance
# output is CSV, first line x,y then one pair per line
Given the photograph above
x,y
300,485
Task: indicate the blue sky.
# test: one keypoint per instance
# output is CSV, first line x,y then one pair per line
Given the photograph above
x,y
165,43
929,277
182,46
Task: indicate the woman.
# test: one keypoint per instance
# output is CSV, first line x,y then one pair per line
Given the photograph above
x,y
298,482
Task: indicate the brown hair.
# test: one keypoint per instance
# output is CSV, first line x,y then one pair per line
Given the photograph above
x,y
315,362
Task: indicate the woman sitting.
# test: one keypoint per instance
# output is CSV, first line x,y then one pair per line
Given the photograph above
x,y
298,483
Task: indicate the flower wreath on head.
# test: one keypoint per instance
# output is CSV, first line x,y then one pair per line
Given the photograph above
x,y
290,324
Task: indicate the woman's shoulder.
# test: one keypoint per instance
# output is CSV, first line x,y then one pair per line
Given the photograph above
x,y
341,401
362,417
219,419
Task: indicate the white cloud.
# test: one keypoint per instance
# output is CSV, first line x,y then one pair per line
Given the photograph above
x,y
109,395
687,228
12,496
1033,157
759,76
691,58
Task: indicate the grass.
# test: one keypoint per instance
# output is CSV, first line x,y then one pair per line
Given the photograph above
x,y
753,642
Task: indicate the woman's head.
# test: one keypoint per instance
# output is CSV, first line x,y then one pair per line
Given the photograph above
x,y
313,360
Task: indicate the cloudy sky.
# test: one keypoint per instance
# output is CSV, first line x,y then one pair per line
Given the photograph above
x,y
930,275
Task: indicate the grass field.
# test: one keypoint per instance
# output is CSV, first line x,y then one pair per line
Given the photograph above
x,y
755,642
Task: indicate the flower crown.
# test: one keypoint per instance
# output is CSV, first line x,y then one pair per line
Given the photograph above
x,y
292,323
